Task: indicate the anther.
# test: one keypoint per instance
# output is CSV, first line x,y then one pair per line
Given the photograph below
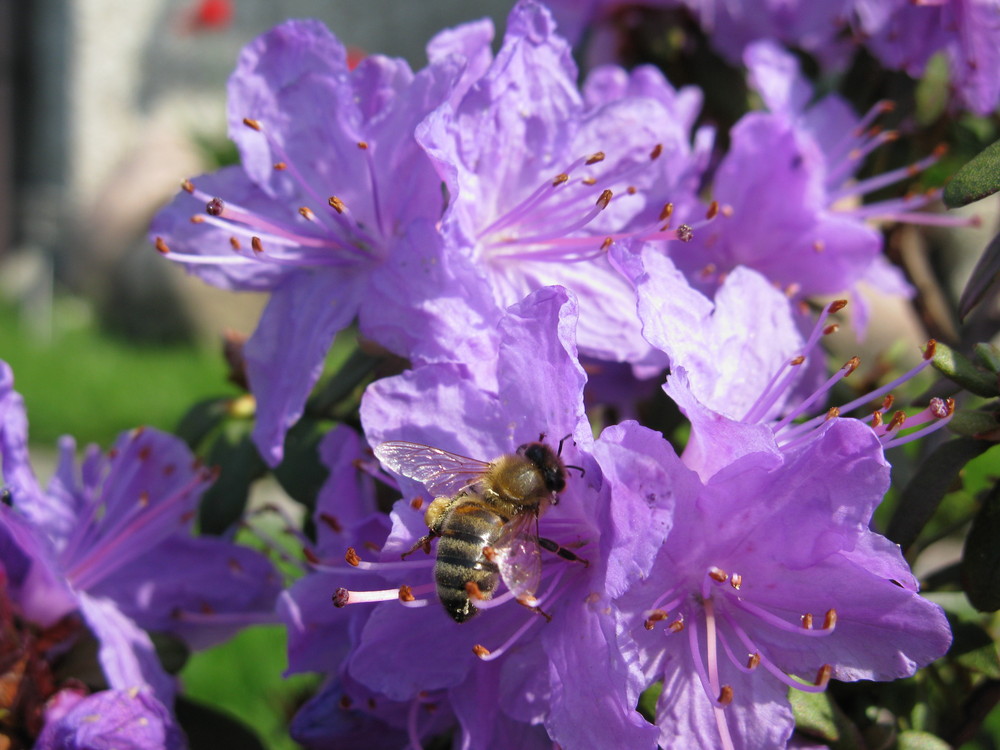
x,y
161,246
311,557
713,210
836,306
595,157
941,408
406,594
336,204
832,328
280,166
215,207
589,180
607,243
685,233
341,597
823,676
363,145
655,616
736,580
351,556
717,574
604,199
252,124
187,186
197,219
753,661
345,702
481,651
631,190
807,621
930,349
655,153
235,244
877,419
819,246
560,179
851,365
417,503
887,402
666,212
897,421
830,620
796,361
726,695
833,413
676,626
306,213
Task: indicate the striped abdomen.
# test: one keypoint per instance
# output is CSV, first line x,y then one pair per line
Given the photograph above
x,y
466,528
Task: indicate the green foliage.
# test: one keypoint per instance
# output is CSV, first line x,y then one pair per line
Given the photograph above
x,y
979,178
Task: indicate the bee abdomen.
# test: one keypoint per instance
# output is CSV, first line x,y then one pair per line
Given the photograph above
x,y
460,559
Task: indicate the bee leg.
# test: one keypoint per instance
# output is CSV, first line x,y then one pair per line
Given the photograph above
x,y
565,554
424,542
529,602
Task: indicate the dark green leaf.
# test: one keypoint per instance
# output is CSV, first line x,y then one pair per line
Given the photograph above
x,y
954,365
983,277
977,179
818,717
647,701
302,473
976,424
201,419
981,558
208,728
172,651
933,479
973,648
239,464
987,354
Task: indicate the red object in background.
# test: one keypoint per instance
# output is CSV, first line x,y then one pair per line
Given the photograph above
x,y
354,56
208,15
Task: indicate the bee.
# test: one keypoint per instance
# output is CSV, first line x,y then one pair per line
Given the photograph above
x,y
482,515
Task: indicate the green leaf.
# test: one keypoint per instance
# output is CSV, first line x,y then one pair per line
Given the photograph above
x,y
921,497
921,741
199,421
983,277
239,464
647,701
973,648
987,354
301,473
208,728
976,424
981,557
818,717
959,369
979,178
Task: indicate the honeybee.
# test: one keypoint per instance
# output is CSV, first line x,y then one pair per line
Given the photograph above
x,y
482,513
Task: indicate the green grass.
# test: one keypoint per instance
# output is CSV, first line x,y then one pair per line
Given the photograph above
x,y
81,381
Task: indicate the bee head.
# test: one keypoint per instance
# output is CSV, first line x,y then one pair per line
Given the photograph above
x,y
548,462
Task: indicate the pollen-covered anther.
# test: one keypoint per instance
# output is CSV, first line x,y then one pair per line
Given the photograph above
x,y
897,421
589,180
833,413
823,676
481,651
736,580
676,626
311,557
753,660
887,402
941,408
197,219
657,615
655,153
363,145
251,123
307,213
713,210
666,212
596,157
718,574
417,503
280,166
341,597
796,361
215,207
352,558
187,186
830,619
807,621
161,246
235,244
726,695
877,419
727,211
607,243
604,199
257,245
336,204
685,233
836,306
930,349
851,365
631,190
406,594
473,590
830,329
331,522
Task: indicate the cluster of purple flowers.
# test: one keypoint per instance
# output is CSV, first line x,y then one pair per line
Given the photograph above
x,y
533,247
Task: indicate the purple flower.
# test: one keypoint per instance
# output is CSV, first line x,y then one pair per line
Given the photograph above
x,y
112,542
784,187
904,35
770,579
511,677
541,178
332,212
109,720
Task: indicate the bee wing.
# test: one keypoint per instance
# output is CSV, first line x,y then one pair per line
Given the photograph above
x,y
518,556
441,472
